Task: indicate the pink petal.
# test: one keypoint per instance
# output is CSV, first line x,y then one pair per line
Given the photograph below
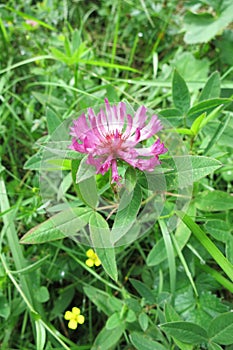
x,y
140,117
129,127
115,175
80,127
77,146
151,128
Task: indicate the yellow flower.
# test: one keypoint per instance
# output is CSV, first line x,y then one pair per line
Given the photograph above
x,y
74,318
92,258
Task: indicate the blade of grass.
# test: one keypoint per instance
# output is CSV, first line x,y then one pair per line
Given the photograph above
x,y
117,19
217,276
182,259
211,248
198,84
108,65
14,114
64,86
26,16
29,60
170,255
11,234
147,13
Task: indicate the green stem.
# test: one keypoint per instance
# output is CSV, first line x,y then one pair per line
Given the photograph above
x,y
115,35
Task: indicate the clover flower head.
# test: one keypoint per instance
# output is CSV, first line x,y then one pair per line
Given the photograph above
x,y
92,258
74,317
113,135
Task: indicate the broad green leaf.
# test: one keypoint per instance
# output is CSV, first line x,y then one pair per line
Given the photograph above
x,y
46,99
40,334
199,310
183,346
203,166
214,201
190,67
85,182
157,254
65,224
103,300
130,179
53,121
145,342
211,304
88,191
180,93
130,316
188,169
225,47
42,294
171,316
101,239
218,229
211,88
107,338
212,115
197,123
56,164
133,304
132,234
61,149
76,39
143,320
208,244
113,321
202,27
183,131
214,346
34,162
207,106
64,186
182,233
221,329
186,332
185,301
126,215
144,291
173,115
4,307
85,171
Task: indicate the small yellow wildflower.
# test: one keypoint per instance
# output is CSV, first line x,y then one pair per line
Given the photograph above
x,y
92,258
74,318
